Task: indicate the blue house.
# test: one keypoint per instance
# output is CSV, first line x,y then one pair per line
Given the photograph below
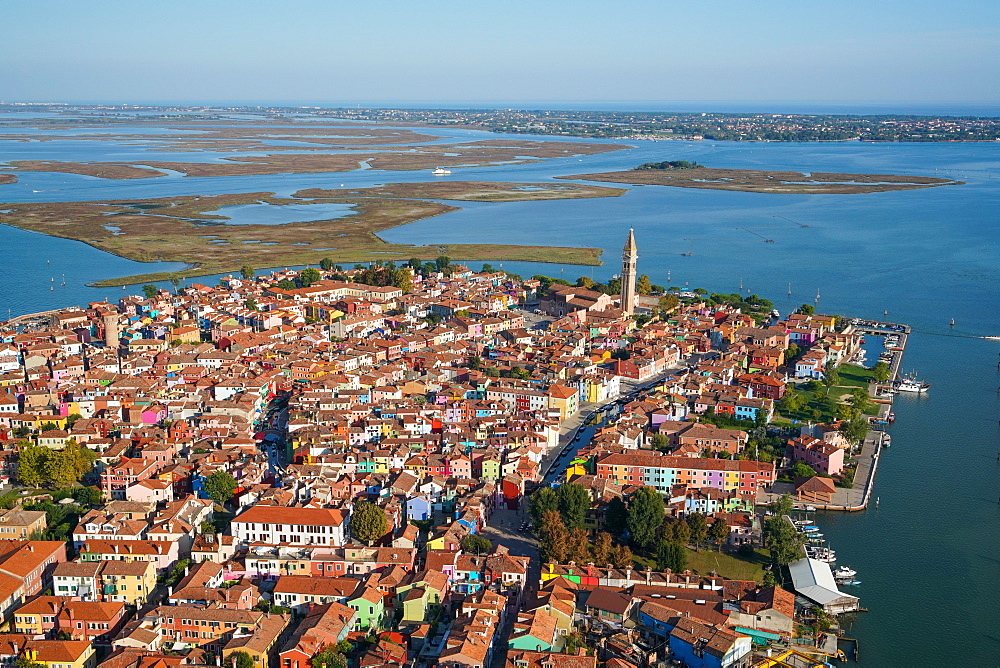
x,y
700,645
418,508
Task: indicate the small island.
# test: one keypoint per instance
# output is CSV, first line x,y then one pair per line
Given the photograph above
x,y
680,174
195,230
491,152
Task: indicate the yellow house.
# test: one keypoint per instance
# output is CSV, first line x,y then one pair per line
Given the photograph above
x,y
261,645
186,334
128,581
61,653
564,399
574,469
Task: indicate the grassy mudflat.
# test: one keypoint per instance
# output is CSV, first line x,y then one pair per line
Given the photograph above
x,y
104,170
469,154
244,138
758,181
470,191
188,229
7,178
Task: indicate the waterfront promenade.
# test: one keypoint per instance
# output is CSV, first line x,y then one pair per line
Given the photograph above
x,y
859,495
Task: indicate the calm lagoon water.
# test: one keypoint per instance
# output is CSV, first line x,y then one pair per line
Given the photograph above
x,y
929,556
281,214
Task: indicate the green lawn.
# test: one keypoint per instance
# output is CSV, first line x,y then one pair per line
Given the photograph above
x,y
853,376
728,565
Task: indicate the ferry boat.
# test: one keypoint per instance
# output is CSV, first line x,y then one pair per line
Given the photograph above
x,y
441,171
910,384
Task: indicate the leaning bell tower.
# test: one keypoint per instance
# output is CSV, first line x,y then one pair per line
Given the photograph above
x,y
630,254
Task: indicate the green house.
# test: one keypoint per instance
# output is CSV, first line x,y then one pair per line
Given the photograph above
x,y
370,608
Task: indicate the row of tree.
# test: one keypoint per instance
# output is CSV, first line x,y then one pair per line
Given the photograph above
x,y
56,469
558,516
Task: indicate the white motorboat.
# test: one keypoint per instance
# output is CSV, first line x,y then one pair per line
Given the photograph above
x,y
845,572
910,384
441,171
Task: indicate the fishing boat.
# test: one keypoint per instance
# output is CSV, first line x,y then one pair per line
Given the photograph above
x,y
911,384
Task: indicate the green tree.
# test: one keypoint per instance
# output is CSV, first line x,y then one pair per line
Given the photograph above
x,y
415,263
621,557
855,429
698,525
585,282
671,555
681,532
308,276
831,376
643,286
802,470
250,304
240,660
30,465
326,264
368,522
329,659
719,532
645,514
807,309
616,517
782,540
442,262
475,544
554,543
660,442
403,280
881,372
539,502
578,546
860,400
602,548
247,272
220,485
286,284
488,268
574,502
668,303
150,291
22,662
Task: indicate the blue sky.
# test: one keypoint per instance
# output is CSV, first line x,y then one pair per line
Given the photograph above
x,y
879,52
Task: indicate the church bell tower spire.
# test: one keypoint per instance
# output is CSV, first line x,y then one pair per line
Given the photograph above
x,y
630,255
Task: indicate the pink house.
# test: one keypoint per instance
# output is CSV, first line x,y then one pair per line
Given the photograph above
x,y
820,455
150,490
154,413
